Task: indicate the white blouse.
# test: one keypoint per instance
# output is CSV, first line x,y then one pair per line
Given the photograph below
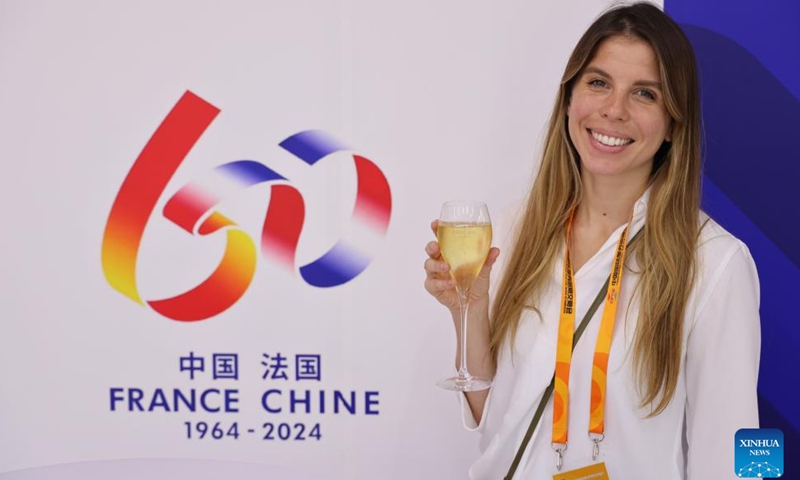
x,y
716,393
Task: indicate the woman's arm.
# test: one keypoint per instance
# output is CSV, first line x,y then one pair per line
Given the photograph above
x,y
722,360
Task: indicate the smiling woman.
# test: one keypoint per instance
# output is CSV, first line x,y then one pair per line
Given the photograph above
x,y
614,218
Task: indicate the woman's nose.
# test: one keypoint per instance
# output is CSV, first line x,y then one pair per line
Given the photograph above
x,y
615,106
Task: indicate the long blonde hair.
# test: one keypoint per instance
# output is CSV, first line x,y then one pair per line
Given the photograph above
x,y
665,251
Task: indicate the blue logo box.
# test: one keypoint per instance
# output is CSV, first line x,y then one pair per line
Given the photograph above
x,y
759,453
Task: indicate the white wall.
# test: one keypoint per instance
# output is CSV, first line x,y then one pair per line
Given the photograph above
x,y
448,98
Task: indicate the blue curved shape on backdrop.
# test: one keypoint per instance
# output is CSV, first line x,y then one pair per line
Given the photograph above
x,y
748,53
768,29
752,136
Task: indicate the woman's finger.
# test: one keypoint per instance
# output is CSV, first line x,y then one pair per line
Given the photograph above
x,y
494,252
491,258
436,267
437,287
433,250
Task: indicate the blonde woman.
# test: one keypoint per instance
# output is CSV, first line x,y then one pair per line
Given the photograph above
x,y
619,184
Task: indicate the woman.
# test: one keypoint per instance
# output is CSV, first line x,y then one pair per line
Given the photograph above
x,y
677,377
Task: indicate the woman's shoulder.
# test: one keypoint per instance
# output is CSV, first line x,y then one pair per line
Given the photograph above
x,y
715,242
721,257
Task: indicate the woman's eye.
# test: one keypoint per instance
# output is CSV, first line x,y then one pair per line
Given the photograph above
x,y
597,83
646,94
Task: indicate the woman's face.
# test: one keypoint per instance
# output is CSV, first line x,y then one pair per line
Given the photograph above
x,y
617,118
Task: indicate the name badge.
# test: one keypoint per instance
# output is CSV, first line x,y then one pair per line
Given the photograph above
x,y
592,472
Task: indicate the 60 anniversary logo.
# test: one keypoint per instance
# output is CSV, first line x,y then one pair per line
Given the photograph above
x,y
192,208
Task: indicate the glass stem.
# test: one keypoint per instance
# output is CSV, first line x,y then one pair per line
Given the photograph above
x,y
463,306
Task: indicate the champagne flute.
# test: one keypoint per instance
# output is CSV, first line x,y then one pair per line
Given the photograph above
x,y
464,235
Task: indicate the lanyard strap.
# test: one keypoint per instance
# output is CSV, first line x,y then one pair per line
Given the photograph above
x,y
601,294
566,329
603,346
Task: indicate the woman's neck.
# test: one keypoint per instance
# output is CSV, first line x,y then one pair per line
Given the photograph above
x,y
606,204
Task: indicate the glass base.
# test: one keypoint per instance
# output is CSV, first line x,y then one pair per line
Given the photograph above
x,y
459,384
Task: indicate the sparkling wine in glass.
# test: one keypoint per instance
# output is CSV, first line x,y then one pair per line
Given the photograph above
x,y
465,236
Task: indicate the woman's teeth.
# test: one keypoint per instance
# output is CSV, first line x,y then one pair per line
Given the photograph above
x,y
610,141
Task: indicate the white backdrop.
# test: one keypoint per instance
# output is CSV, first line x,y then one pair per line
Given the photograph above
x,y
448,98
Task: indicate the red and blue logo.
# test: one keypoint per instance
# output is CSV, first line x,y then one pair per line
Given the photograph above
x,y
193,208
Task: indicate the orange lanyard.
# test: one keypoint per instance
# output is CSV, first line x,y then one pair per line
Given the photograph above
x,y
566,330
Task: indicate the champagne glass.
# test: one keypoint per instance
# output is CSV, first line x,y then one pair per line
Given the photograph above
x,y
464,235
